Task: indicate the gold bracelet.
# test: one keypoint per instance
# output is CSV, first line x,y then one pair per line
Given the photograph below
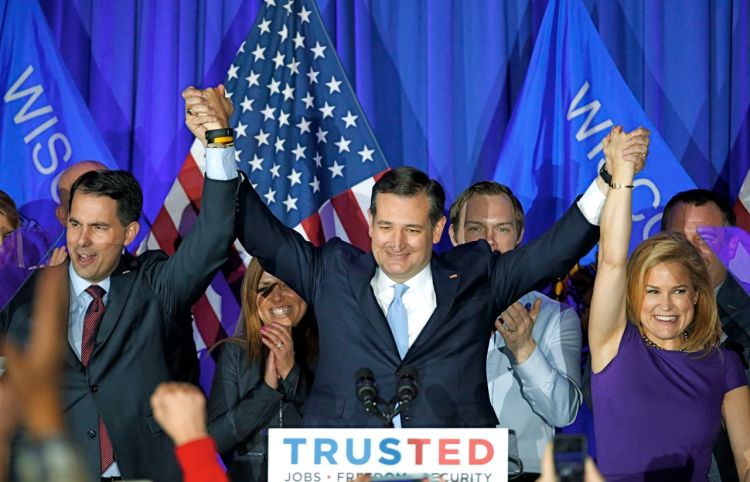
x,y
617,185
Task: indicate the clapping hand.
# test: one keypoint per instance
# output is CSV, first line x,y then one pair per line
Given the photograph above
x,y
278,339
515,325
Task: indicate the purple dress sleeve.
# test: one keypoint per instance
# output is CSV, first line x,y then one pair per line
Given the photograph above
x,y
734,372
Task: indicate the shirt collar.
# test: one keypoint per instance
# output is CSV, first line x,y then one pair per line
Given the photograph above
x,y
417,283
79,284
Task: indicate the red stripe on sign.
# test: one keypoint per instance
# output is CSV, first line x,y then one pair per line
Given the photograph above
x,y
207,322
165,232
191,180
354,222
314,229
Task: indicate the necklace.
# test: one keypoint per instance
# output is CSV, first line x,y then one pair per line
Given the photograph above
x,y
650,343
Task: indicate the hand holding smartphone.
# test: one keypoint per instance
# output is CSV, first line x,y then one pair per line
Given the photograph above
x,y
570,457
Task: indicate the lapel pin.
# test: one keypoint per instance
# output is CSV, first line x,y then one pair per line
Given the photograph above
x,y
126,272
452,276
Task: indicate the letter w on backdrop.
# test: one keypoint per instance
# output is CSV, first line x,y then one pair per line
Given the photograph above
x,y
44,126
302,140
572,95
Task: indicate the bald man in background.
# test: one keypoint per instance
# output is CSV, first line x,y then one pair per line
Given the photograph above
x,y
67,178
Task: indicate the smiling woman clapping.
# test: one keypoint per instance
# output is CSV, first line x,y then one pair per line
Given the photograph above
x,y
263,376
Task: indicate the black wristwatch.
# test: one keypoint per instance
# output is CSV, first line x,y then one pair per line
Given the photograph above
x,y
606,176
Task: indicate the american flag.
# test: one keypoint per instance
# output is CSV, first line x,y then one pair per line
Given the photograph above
x,y
742,205
303,141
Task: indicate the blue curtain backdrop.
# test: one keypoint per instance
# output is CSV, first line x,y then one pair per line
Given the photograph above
x,y
437,79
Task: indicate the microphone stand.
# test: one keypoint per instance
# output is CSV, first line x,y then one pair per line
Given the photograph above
x,y
367,393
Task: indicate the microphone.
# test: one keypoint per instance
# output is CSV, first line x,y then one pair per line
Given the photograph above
x,y
406,387
367,390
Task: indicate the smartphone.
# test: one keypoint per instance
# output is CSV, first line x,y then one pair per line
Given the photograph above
x,y
570,457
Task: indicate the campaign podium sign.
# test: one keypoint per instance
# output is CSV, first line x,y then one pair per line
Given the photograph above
x,y
333,455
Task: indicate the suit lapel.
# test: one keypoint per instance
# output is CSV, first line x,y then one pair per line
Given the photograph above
x,y
121,284
363,269
446,284
733,299
69,355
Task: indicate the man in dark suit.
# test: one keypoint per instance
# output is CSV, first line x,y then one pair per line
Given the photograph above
x,y
401,305
123,311
700,207
684,213
446,303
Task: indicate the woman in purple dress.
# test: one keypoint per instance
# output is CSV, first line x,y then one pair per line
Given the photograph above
x,y
661,386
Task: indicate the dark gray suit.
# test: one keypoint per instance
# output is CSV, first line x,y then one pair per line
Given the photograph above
x,y
148,295
734,310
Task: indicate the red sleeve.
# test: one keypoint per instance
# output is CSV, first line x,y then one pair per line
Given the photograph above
x,y
199,462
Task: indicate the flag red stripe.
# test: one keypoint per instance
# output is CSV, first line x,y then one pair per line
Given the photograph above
x,y
191,180
743,217
352,219
207,322
314,229
165,232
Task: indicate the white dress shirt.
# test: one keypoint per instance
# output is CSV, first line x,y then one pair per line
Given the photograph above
x,y
419,300
592,203
544,391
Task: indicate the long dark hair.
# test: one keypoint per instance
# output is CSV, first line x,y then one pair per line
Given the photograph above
x,y
304,335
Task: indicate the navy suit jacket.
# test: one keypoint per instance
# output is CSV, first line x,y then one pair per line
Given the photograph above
x,y
149,295
472,286
734,310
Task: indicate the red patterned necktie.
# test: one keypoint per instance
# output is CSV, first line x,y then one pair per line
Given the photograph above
x,y
94,315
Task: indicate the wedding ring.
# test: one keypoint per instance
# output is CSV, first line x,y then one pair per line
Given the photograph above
x,y
279,345
190,112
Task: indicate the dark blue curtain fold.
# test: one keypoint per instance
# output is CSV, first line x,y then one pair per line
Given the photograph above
x,y
438,79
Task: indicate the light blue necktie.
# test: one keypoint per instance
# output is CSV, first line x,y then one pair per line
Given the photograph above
x,y
397,319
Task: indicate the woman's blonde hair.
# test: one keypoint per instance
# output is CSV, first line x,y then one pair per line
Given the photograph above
x,y
704,330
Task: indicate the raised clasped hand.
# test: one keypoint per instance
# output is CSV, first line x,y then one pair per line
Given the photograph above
x,y
632,147
206,109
